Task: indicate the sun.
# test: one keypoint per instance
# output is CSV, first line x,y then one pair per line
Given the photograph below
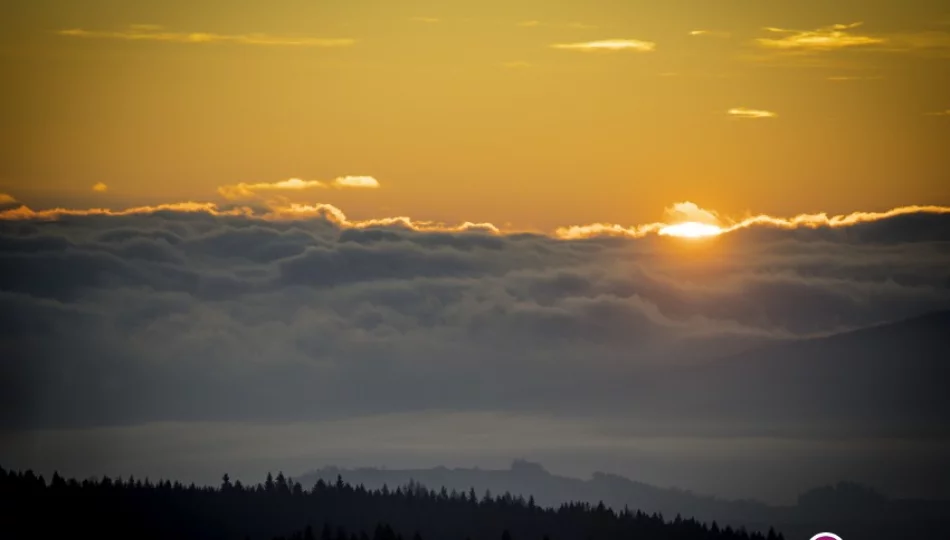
x,y
691,229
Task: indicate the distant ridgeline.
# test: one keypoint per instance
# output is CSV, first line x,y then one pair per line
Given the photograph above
x,y
851,510
31,507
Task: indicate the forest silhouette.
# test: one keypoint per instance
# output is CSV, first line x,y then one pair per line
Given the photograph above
x,y
281,508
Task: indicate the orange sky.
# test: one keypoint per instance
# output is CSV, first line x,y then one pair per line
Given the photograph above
x,y
520,112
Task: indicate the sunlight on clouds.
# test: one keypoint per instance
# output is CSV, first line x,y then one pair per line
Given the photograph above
x,y
690,229
832,37
246,191
356,182
684,219
743,112
335,215
142,32
710,33
813,221
576,232
52,214
689,211
100,187
609,45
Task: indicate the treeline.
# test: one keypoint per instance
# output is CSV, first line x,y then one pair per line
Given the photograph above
x,y
279,507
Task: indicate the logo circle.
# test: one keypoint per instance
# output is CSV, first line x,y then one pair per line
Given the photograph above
x,y
826,536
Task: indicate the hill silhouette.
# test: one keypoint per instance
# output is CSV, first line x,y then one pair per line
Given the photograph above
x,y
844,508
887,380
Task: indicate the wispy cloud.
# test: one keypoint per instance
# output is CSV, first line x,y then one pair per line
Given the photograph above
x,y
845,78
939,113
744,112
144,32
575,25
635,45
837,36
99,187
918,41
428,20
710,33
248,191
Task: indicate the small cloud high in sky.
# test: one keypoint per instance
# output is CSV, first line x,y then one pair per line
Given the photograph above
x,y
710,33
752,114
244,190
157,33
832,37
609,45
99,187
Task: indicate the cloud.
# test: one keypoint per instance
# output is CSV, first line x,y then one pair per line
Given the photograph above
x,y
142,32
690,211
710,33
99,187
573,25
939,113
609,45
744,112
6,199
249,191
837,36
300,313
844,78
356,182
921,42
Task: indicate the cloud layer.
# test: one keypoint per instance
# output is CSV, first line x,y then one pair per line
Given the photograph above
x,y
183,313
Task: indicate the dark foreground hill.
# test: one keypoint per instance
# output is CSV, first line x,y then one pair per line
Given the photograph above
x,y
30,507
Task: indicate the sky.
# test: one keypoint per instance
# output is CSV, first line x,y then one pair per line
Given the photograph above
x,y
489,111
246,235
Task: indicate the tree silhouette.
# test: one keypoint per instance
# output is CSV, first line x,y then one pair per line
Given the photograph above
x,y
281,509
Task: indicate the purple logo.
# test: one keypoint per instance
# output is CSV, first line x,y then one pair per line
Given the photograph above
x,y
826,536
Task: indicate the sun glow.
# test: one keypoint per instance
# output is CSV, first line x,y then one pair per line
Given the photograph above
x,y
690,229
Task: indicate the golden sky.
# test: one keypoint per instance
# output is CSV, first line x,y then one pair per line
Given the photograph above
x,y
522,113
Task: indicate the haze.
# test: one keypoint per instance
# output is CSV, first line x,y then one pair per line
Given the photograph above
x,y
255,235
